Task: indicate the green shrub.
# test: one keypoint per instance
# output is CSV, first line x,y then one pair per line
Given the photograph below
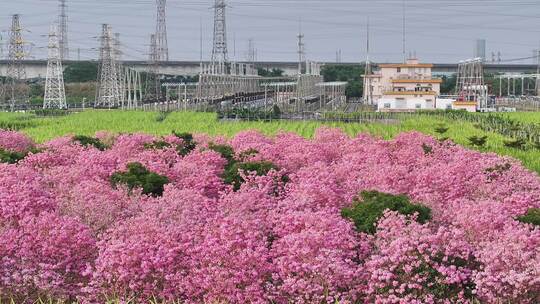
x,y
531,217
138,176
188,144
478,141
247,154
232,176
11,157
51,112
157,145
515,143
161,116
366,213
441,129
89,141
226,151
427,149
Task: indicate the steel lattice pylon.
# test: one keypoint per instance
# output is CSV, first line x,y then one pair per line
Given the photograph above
x,y
55,94
108,90
16,72
120,71
219,51
162,49
63,29
470,85
152,84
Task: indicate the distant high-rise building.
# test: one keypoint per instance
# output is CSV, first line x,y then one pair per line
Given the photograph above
x,y
480,49
535,57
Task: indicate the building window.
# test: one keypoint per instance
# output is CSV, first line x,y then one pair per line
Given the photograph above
x,y
399,70
449,106
387,105
418,106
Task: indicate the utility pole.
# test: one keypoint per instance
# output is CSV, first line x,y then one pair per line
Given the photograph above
x,y
200,44
63,33
404,34
108,91
367,77
16,72
55,94
219,50
301,49
161,32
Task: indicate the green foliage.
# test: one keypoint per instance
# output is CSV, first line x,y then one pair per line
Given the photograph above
x,y
427,149
247,154
531,217
50,112
441,129
226,151
478,141
11,157
90,141
366,213
157,145
161,116
349,73
83,71
188,144
270,73
232,176
37,90
138,176
448,85
515,143
276,111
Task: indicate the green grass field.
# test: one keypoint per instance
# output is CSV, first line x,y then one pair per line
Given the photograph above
x,y
525,117
87,123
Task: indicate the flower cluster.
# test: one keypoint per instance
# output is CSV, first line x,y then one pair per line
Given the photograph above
x,y
68,233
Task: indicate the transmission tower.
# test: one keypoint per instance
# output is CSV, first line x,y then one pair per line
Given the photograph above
x,y
55,94
63,27
119,67
16,72
470,85
219,51
108,91
161,32
152,85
